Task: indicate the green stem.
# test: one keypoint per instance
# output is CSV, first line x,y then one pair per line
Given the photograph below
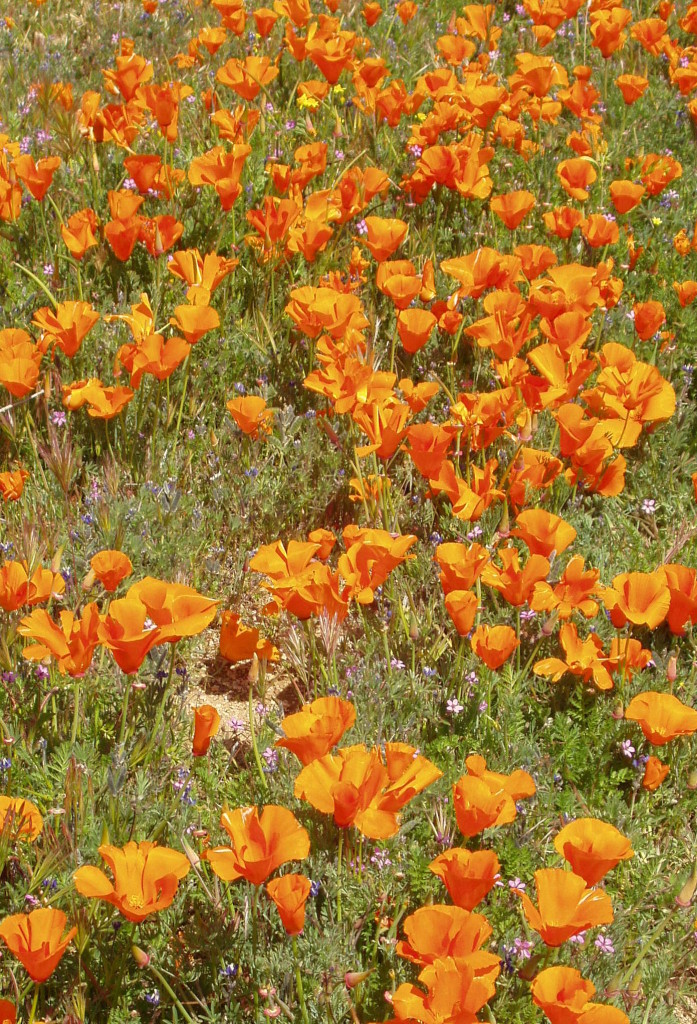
x,y
39,283
299,982
255,748
76,712
34,1003
171,993
181,404
338,876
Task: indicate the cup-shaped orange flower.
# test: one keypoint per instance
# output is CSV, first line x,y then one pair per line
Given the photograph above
x,y
565,906
146,878
543,532
71,643
456,992
439,931
260,843
19,818
485,799
289,893
240,643
314,730
494,644
467,875
8,1012
642,598
662,717
206,725
12,484
562,994
176,610
655,773
513,207
415,327
38,940
592,848
384,236
251,415
125,631
110,567
626,195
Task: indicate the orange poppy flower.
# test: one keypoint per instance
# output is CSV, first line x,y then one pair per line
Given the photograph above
x,y
513,207
206,725
584,658
260,843
125,632
576,176
289,893
384,236
573,592
649,317
600,231
655,773
456,992
486,799
514,583
632,87
415,327
246,77
565,906
72,643
240,643
358,788
78,232
176,610
543,532
146,878
662,717
221,169
37,177
12,484
626,195
468,876
194,321
37,940
592,848
251,415
562,221
606,29
562,994
103,403
639,597
20,359
461,606
440,932
19,819
686,292
494,644
67,325
110,567
8,1012
314,730
371,11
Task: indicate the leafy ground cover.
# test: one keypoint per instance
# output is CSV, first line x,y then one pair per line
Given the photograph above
x,y
348,473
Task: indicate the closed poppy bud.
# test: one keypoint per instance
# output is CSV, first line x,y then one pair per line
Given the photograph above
x,y
206,725
633,993
413,629
686,894
672,669
654,774
141,958
692,779
353,978
290,893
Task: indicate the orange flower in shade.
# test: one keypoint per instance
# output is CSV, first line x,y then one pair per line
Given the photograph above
x,y
486,799
494,644
176,610
626,195
240,643
456,993
562,994
384,237
662,717
439,932
124,632
110,567
260,843
649,317
314,730
632,87
543,532
513,207
289,893
206,725
71,643
146,878
12,484
37,940
468,876
67,325
655,773
642,598
576,176
565,906
358,788
592,848
251,415
19,819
